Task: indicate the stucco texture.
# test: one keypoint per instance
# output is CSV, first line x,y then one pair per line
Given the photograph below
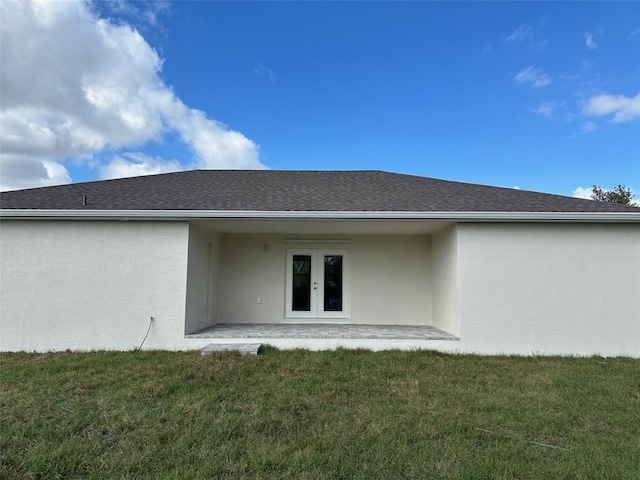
x,y
92,285
389,278
549,288
502,288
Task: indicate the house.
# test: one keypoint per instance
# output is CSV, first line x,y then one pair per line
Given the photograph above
x,y
316,259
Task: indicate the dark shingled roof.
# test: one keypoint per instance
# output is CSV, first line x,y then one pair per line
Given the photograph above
x,y
272,190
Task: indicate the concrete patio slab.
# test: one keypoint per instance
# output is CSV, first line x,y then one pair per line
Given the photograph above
x,y
323,331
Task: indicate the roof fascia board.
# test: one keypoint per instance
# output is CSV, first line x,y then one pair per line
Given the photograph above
x,y
176,215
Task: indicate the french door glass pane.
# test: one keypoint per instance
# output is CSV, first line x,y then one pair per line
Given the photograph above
x,y
333,283
301,300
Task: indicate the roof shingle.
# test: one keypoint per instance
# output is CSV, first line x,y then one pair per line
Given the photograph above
x,y
273,190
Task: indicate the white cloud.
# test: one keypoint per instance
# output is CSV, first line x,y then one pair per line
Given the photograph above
x,y
588,127
526,34
589,42
580,192
625,109
143,11
213,143
260,69
21,171
521,33
72,85
546,109
133,164
533,76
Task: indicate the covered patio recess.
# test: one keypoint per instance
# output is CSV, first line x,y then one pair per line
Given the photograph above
x,y
321,278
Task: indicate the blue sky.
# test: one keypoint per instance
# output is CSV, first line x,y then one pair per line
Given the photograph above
x,y
543,96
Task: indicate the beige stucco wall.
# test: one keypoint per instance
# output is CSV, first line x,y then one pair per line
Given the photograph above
x,y
502,288
389,278
549,288
444,280
247,273
202,279
91,285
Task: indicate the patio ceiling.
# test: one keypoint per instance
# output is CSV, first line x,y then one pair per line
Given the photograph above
x,y
322,227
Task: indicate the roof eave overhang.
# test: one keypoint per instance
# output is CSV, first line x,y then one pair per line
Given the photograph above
x,y
185,215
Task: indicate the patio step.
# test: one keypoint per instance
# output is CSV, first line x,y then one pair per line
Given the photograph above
x,y
241,348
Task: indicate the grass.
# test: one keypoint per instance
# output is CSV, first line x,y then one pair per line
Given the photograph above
x,y
299,414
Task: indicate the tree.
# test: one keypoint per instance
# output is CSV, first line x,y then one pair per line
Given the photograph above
x,y
619,194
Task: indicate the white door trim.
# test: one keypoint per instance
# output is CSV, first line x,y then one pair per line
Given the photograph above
x,y
317,312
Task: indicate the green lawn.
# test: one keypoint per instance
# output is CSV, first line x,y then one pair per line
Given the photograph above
x,y
300,414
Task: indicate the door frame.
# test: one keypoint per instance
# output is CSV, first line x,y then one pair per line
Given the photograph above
x,y
317,312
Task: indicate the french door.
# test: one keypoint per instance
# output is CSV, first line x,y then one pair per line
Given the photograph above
x,y
317,284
